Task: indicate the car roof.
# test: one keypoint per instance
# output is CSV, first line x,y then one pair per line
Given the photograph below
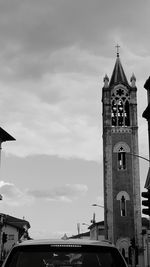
x,y
76,242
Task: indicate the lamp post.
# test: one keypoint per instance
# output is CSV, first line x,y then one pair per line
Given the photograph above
x,y
85,224
97,205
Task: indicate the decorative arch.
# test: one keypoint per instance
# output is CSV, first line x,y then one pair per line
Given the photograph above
x,y
124,89
123,193
123,145
123,244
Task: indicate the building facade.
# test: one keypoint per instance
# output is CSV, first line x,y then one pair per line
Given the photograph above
x,y
122,205
12,231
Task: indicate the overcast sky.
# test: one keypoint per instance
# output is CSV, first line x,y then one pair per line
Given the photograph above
x,y
53,57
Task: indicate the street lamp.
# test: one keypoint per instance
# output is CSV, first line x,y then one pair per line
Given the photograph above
x,y
85,224
97,205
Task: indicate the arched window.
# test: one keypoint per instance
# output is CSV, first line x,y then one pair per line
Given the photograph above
x,y
120,107
123,206
121,149
123,197
121,159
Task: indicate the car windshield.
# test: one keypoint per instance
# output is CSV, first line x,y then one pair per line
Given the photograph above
x,y
47,256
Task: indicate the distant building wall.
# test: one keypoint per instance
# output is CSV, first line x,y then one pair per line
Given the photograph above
x,y
12,239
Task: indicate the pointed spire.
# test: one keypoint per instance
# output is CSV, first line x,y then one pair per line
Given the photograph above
x,y
118,75
106,81
133,80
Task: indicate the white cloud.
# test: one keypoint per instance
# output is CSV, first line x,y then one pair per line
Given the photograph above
x,y
64,193
53,57
13,196
64,127
52,68
52,73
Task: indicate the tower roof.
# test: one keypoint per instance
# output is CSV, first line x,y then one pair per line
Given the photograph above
x,y
118,75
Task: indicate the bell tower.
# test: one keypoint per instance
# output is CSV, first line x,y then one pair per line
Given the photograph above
x,y
122,205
